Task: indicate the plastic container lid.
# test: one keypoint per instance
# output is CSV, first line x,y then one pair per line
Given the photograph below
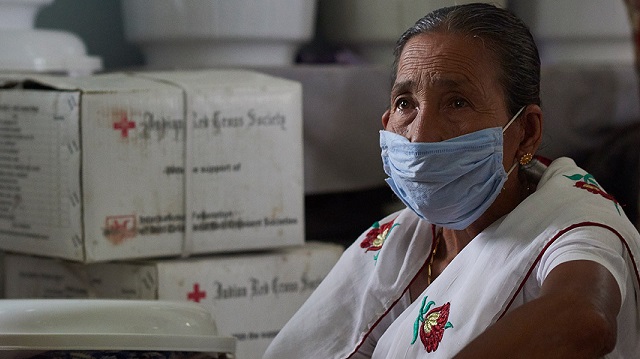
x,y
97,324
47,51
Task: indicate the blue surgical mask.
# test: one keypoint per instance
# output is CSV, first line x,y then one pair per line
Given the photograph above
x,y
449,183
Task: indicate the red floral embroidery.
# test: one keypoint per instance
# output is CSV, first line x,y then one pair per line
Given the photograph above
x,y
431,326
376,236
588,183
595,190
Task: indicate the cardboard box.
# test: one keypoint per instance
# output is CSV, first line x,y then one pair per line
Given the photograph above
x,y
251,296
93,168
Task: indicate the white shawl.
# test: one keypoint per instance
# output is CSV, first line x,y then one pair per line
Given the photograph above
x,y
476,288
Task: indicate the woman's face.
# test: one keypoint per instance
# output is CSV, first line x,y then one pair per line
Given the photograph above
x,y
446,86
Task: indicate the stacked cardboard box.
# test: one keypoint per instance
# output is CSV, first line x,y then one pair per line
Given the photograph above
x,y
106,180
93,169
250,295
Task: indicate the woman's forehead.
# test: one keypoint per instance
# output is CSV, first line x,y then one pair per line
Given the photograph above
x,y
446,59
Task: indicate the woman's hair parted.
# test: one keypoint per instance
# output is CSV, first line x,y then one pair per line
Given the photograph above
x,y
503,33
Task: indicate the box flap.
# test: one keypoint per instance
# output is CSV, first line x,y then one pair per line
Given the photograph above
x,y
217,79
104,83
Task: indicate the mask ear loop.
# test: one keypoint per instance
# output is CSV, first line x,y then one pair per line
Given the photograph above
x,y
513,119
513,166
505,128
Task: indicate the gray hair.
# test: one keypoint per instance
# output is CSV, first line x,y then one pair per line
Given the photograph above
x,y
503,33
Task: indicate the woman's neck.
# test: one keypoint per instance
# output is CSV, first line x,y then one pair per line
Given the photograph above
x,y
454,241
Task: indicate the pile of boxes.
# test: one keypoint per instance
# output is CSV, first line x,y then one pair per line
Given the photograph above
x,y
160,185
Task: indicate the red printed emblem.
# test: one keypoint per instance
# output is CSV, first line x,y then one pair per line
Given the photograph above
x,y
120,228
375,238
196,295
431,324
124,125
589,184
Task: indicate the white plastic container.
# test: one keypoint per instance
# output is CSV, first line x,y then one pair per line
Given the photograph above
x,y
45,51
29,50
50,327
579,31
371,27
204,33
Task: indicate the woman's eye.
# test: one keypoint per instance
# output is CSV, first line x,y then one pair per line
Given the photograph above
x,y
459,103
402,104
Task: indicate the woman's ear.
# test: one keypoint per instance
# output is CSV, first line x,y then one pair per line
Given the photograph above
x,y
532,125
385,119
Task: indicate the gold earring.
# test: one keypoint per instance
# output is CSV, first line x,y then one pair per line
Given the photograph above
x,y
525,159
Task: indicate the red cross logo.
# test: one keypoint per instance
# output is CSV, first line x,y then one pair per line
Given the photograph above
x,y
117,226
196,295
124,125
117,229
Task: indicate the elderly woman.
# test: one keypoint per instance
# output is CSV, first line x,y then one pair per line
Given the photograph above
x,y
494,256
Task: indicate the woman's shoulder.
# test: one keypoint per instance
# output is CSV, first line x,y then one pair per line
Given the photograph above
x,y
568,191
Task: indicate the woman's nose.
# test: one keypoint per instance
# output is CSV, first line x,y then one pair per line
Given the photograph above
x,y
423,128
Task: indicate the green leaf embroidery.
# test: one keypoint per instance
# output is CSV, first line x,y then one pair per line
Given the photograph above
x,y
575,177
590,179
424,309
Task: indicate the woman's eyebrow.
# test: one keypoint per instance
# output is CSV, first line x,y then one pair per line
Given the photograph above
x,y
402,86
443,82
